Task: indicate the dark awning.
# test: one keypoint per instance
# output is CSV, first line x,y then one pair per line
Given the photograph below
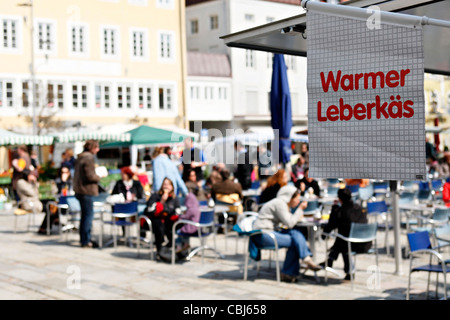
x,y
286,37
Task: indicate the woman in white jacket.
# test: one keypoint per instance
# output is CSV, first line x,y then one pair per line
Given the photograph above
x,y
276,216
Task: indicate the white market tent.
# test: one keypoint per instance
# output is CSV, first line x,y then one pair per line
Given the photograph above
x,y
9,138
289,36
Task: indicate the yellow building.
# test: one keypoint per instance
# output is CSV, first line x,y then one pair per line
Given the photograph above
x,y
437,106
95,62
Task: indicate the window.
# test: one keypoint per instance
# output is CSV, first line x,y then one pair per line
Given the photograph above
x,y
165,98
79,96
46,37
165,4
55,95
194,26
195,92
222,93
9,94
166,50
78,39
145,97
27,93
110,41
9,33
249,17
209,93
249,58
102,96
214,22
124,97
138,44
6,93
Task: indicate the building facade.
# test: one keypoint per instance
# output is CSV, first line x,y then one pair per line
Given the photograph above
x,y
206,21
94,62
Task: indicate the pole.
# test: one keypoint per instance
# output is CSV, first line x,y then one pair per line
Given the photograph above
x,y
33,77
364,14
396,224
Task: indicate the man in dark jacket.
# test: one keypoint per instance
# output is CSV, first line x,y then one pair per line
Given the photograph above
x,y
341,218
85,185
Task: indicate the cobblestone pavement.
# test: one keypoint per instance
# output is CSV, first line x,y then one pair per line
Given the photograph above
x,y
39,267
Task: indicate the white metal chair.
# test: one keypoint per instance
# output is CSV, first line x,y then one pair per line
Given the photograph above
x,y
30,213
376,211
359,233
253,235
205,228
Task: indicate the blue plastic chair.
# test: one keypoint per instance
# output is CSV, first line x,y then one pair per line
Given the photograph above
x,y
125,215
365,193
380,189
420,246
354,189
205,228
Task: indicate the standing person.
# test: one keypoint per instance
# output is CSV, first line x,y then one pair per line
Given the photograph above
x,y
341,218
163,168
278,211
192,158
244,167
85,185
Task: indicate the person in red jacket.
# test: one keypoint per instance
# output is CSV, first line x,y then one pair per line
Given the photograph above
x,y
446,192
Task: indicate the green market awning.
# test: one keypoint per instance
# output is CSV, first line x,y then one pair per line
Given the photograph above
x,y
9,138
146,135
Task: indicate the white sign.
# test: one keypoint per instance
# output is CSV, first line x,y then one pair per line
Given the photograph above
x,y
366,115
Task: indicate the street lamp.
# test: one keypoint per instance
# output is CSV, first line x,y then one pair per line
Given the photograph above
x,y
33,79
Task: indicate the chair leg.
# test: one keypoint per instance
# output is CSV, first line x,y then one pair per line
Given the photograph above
x,y
409,279
350,262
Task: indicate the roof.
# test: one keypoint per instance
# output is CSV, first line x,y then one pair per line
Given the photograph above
x,y
208,64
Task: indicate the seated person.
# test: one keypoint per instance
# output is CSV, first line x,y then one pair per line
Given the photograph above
x,y
163,209
195,186
298,169
307,182
278,211
341,217
63,188
130,188
28,192
192,213
229,192
273,185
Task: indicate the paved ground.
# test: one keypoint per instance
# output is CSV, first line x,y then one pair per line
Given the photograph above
x,y
37,267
